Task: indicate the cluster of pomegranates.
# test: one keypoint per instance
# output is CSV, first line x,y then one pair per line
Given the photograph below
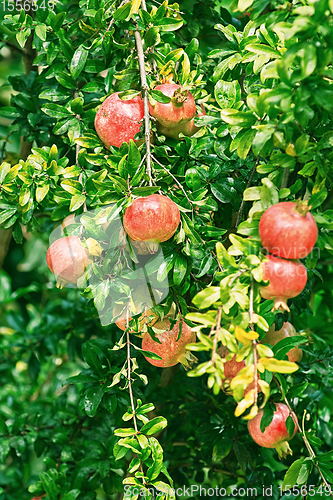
x,y
118,120
288,231
152,219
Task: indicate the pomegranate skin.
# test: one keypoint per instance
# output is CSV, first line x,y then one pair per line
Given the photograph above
x,y
273,337
171,350
153,218
287,280
285,232
67,259
276,434
118,121
170,115
187,128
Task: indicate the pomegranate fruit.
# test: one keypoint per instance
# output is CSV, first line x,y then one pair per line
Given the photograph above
x,y
67,259
288,230
287,279
171,350
179,110
187,128
154,218
118,121
276,434
273,337
231,368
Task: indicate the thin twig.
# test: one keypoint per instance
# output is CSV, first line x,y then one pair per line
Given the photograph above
x,y
249,182
217,328
306,442
174,178
145,88
169,8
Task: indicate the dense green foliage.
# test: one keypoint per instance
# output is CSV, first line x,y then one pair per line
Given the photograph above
x,y
66,416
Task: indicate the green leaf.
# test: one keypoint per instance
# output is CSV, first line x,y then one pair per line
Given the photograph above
x,y
290,479
6,214
239,118
157,456
158,96
207,297
258,48
41,31
41,192
267,417
153,426
145,190
57,21
123,13
282,347
227,93
71,495
56,111
152,36
180,268
78,61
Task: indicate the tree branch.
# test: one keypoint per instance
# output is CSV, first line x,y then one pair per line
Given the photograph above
x,y
145,88
240,212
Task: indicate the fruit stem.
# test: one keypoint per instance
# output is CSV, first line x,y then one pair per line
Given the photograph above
x,y
145,88
129,376
302,207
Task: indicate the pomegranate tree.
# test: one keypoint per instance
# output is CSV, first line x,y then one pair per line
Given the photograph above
x,y
288,230
287,279
179,110
118,121
171,350
154,218
67,259
186,128
276,434
273,337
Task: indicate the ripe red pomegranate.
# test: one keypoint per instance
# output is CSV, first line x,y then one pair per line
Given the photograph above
x,y
118,121
154,218
180,109
287,280
171,350
273,337
187,128
288,230
67,259
276,434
